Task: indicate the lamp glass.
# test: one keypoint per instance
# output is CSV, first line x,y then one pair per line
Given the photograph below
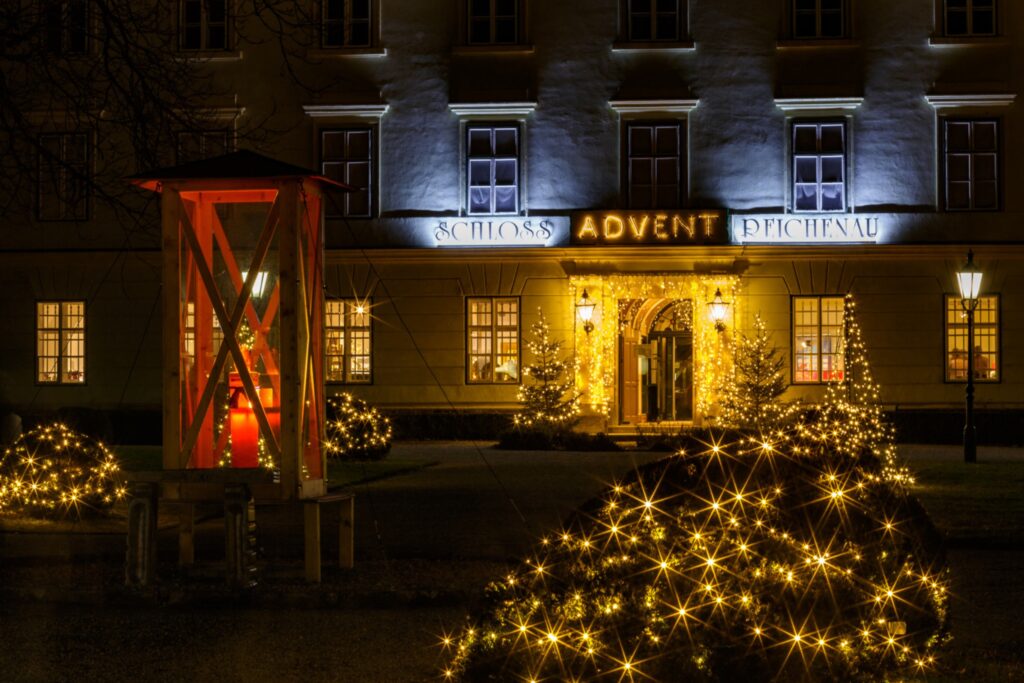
x,y
585,307
718,308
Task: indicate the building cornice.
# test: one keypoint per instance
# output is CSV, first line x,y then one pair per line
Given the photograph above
x,y
329,111
654,106
973,100
492,108
793,105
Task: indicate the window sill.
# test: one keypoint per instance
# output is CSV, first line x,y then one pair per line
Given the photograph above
x,y
211,55
667,46
342,52
840,43
956,41
492,49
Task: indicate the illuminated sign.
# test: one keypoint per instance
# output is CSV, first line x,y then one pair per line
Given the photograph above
x,y
494,231
648,227
805,229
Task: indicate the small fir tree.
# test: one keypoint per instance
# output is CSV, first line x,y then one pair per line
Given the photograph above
x,y
750,400
550,402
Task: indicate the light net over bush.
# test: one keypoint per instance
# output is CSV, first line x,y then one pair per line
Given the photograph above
x,y
356,430
758,560
53,471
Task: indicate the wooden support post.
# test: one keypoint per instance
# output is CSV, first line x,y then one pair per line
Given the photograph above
x,y
237,518
311,516
140,562
186,534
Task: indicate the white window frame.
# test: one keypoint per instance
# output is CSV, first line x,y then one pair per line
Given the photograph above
x,y
346,164
969,11
346,22
60,348
492,161
818,11
972,155
491,333
492,18
205,24
680,158
353,320
814,335
631,17
818,157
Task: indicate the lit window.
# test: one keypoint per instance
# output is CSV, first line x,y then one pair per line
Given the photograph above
x,y
817,339
62,191
986,340
492,342
346,155
818,19
971,155
819,166
60,342
969,17
65,26
203,24
346,23
348,338
655,165
202,144
654,20
493,169
493,22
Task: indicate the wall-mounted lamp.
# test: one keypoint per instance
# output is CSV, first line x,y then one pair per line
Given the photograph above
x,y
585,311
718,309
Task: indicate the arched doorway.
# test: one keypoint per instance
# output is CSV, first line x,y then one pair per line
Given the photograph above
x,y
656,361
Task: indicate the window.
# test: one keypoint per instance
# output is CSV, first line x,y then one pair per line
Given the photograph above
x,y
60,342
202,144
986,340
819,166
969,17
493,22
203,25
348,337
971,164
346,155
346,23
818,19
493,340
493,173
65,26
655,165
63,177
653,20
817,339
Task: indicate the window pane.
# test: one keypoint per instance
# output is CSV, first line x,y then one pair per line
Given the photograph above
x,y
958,167
665,27
640,140
831,24
480,142
958,136
807,170
984,136
505,142
983,22
505,172
831,169
480,172
505,199
667,140
667,171
805,139
985,196
480,200
832,138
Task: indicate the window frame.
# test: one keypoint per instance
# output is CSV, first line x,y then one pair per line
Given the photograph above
x,y
346,23
372,188
469,356
346,354
202,136
62,355
952,301
69,26
64,171
469,158
943,11
845,15
793,124
840,354
944,155
626,14
682,165
520,24
204,30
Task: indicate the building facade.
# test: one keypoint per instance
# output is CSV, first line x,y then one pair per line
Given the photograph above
x,y
512,155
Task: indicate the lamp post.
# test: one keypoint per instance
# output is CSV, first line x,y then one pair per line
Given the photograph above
x,y
969,280
718,309
585,311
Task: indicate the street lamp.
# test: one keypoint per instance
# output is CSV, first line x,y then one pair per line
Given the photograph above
x,y
718,309
585,311
969,280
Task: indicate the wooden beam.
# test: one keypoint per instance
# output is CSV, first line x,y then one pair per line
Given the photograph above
x,y
288,256
170,211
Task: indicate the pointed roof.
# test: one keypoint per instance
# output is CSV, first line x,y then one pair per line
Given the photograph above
x,y
243,164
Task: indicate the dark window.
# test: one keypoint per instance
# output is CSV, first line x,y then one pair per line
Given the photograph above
x,y
346,23
985,342
969,17
202,144
655,172
62,192
818,19
203,25
817,339
971,155
346,155
348,339
493,22
493,168
819,166
66,26
654,20
492,343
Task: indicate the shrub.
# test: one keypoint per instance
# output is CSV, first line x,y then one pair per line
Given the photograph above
x,y
52,471
542,438
355,430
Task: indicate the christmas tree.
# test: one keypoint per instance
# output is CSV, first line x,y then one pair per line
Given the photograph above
x,y
550,403
750,399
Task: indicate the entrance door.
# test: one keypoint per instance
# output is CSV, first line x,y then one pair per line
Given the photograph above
x,y
674,375
629,379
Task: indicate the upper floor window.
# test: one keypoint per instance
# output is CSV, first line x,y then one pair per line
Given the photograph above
x,y
985,343
818,19
347,335
493,22
203,24
654,154
492,157
817,339
346,23
492,346
346,155
62,191
202,144
969,17
654,20
970,150
819,166
65,26
60,342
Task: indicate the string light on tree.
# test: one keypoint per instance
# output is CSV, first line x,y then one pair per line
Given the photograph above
x,y
550,401
356,430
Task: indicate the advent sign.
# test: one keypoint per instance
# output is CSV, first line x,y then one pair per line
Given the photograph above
x,y
654,227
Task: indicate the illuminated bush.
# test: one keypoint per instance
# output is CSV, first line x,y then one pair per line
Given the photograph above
x,y
53,471
758,560
355,430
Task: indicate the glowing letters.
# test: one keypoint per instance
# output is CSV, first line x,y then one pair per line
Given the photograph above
x,y
646,227
500,231
805,229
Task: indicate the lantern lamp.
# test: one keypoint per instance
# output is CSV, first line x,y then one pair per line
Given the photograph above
x,y
585,311
717,310
968,279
